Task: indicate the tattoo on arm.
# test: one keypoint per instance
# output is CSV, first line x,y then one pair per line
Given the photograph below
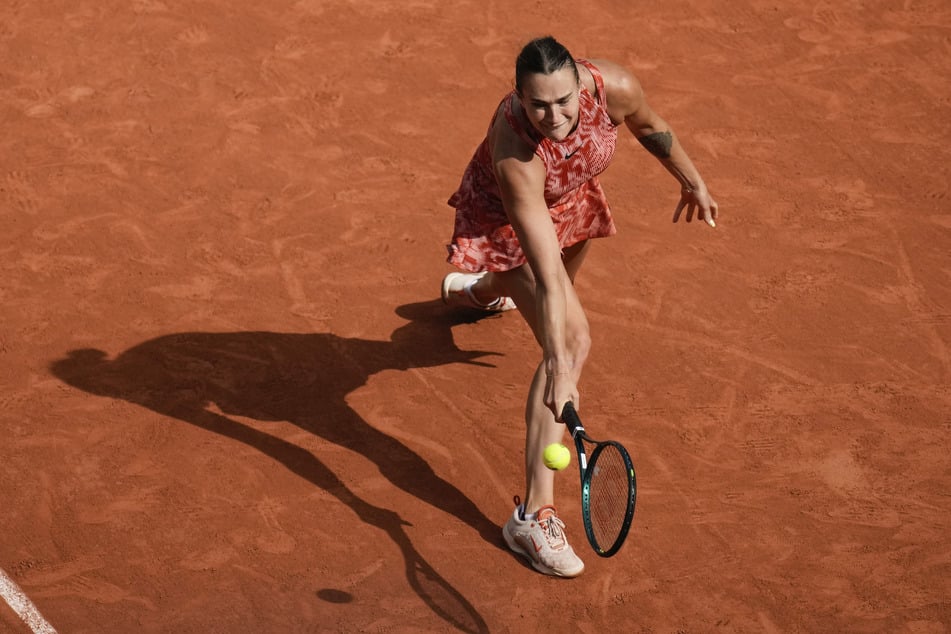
x,y
658,144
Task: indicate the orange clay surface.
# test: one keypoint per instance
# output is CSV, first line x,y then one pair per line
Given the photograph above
x,y
231,400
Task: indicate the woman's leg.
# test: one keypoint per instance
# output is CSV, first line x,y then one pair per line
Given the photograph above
x,y
541,427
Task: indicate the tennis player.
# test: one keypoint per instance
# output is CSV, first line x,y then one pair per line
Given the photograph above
x,y
527,207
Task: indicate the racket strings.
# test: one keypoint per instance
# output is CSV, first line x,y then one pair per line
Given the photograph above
x,y
610,495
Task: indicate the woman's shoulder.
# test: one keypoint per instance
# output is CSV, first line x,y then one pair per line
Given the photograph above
x,y
614,75
622,89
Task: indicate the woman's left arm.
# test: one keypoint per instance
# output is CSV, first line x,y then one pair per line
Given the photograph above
x,y
627,103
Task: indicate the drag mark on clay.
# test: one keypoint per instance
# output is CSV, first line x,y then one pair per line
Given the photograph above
x,y
22,605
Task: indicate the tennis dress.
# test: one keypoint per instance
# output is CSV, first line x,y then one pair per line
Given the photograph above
x,y
483,238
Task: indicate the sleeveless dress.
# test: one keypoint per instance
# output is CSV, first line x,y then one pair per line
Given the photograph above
x,y
483,238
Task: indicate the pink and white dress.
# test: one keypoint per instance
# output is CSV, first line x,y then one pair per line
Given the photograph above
x,y
483,238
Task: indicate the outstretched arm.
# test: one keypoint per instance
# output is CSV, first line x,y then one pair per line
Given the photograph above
x,y
521,178
627,103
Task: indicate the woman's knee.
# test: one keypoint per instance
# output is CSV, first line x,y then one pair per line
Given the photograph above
x,y
573,257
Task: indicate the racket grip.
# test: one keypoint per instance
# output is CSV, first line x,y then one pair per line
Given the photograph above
x,y
569,416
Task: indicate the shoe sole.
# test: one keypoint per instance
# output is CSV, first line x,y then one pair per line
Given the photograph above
x,y
446,283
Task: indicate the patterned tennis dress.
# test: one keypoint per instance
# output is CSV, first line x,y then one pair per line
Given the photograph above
x,y
483,238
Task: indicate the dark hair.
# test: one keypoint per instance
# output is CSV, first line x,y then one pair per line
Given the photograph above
x,y
542,56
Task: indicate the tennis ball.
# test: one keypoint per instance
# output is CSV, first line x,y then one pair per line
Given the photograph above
x,y
556,456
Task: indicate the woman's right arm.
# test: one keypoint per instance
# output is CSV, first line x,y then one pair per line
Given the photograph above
x,y
521,177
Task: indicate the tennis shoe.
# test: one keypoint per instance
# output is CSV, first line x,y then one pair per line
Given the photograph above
x,y
542,541
457,291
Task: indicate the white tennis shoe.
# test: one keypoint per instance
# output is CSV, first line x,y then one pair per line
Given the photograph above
x,y
542,541
457,291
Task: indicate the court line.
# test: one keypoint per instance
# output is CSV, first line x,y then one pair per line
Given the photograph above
x,y
21,604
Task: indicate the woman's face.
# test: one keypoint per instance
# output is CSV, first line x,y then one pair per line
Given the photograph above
x,y
551,102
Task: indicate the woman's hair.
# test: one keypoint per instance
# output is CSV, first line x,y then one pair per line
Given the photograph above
x,y
542,56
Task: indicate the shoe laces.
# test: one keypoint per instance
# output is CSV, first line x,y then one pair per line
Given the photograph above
x,y
553,527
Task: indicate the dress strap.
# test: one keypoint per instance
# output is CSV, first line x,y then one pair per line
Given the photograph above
x,y
509,111
598,81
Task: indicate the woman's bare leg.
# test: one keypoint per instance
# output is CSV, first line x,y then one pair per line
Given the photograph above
x,y
541,427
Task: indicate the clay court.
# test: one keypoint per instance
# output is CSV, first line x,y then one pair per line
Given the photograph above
x,y
232,401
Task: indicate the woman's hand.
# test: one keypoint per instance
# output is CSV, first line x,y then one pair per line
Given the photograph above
x,y
560,388
697,201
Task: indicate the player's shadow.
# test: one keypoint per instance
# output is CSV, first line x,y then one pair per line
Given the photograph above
x,y
303,379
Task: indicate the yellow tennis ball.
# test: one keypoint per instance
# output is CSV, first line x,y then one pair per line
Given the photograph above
x,y
556,456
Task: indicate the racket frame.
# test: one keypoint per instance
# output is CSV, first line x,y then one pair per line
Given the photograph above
x,y
586,466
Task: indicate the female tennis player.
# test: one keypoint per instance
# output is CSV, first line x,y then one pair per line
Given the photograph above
x,y
527,207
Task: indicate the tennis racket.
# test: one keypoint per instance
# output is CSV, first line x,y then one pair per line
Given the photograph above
x,y
608,487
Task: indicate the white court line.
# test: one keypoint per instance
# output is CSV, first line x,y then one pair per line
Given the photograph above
x,y
22,605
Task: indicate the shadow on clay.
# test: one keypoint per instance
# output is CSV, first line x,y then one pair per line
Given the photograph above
x,y
304,379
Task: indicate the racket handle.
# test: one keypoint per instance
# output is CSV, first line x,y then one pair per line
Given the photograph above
x,y
569,416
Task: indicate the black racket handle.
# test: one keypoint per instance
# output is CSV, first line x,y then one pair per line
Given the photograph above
x,y
569,416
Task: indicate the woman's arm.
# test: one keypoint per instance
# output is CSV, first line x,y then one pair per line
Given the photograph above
x,y
627,104
521,177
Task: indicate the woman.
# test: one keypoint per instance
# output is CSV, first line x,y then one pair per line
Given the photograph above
x,y
528,204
